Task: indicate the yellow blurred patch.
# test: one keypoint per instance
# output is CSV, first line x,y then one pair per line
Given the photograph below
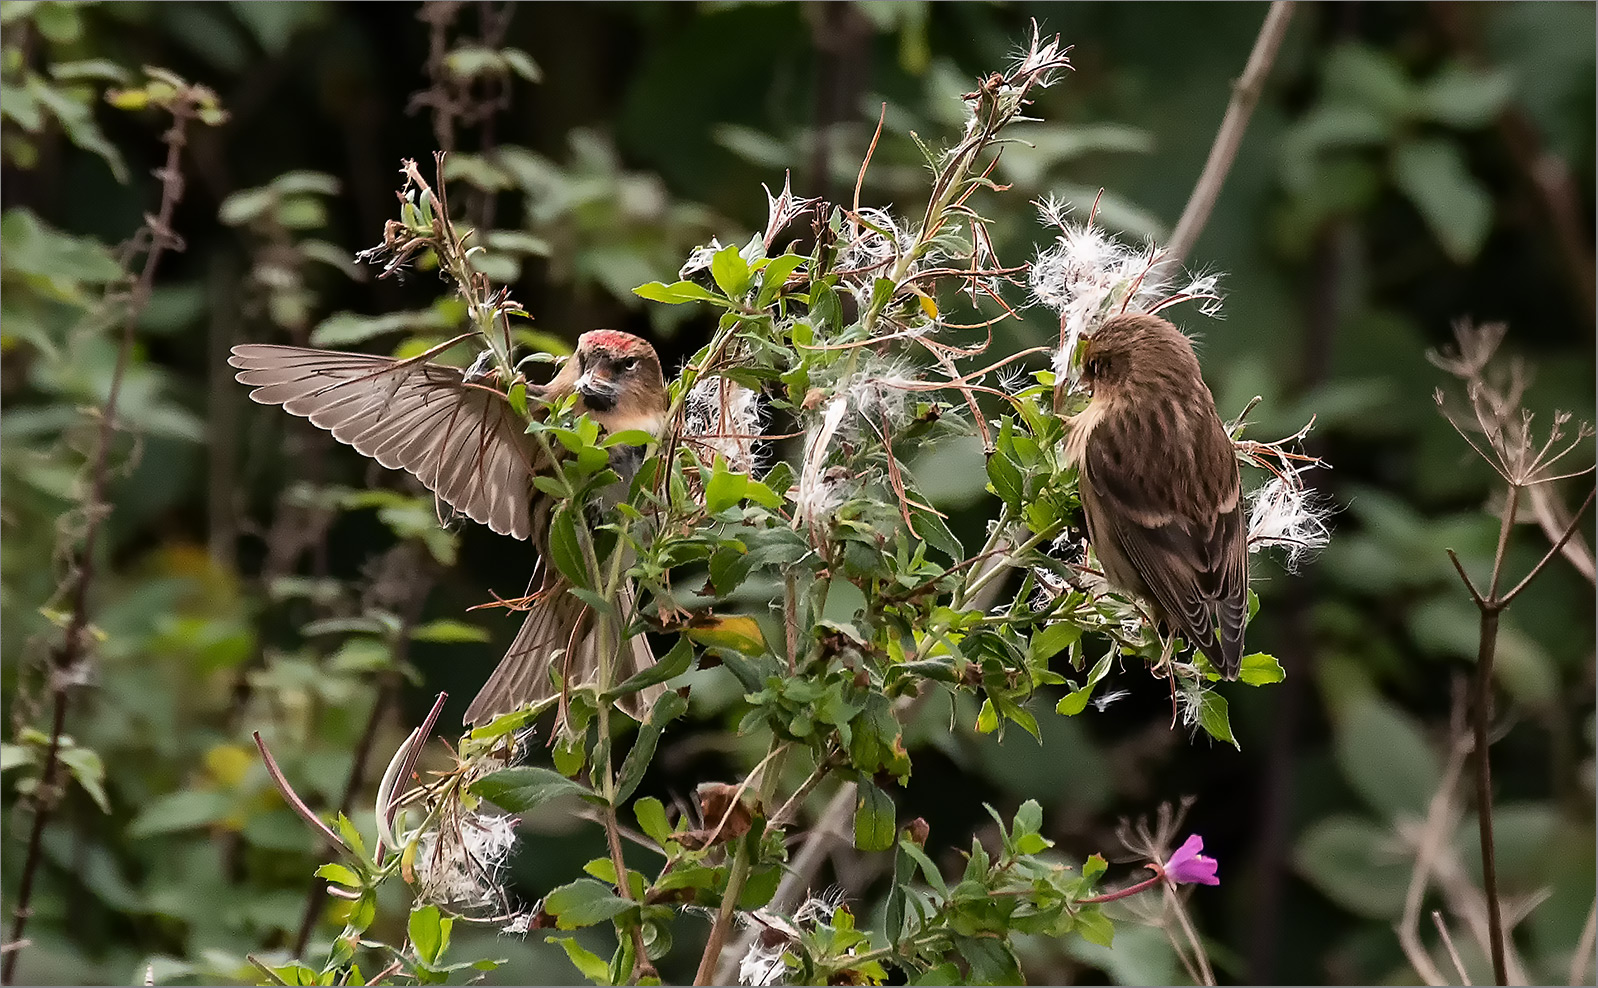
x,y
227,764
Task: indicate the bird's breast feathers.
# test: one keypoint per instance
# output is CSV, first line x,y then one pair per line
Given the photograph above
x,y
1082,425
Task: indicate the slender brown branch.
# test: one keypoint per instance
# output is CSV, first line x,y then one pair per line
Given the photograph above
x,y
1245,95
1511,509
70,653
1464,577
1486,651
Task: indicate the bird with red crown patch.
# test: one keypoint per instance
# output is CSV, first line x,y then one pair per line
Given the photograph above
x,y
465,443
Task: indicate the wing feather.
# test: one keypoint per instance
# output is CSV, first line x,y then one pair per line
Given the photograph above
x,y
1179,523
463,442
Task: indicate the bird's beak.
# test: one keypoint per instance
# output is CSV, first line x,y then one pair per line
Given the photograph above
x,y
599,393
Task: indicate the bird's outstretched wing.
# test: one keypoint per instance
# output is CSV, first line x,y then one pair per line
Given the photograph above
x,y
1180,524
463,441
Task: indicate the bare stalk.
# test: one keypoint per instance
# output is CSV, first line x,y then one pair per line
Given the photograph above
x,y
1245,96
67,657
1491,605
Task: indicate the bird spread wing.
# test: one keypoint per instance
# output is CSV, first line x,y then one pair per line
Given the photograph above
x,y
1180,523
463,441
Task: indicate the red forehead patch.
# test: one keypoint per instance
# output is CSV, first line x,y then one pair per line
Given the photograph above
x,y
612,339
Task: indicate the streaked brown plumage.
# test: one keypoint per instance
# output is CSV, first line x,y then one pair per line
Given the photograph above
x,y
1160,486
466,444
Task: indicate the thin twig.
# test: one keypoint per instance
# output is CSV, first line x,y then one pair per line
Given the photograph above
x,y
1448,945
69,653
1245,95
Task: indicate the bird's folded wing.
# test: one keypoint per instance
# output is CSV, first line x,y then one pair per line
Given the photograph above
x,y
463,441
1190,566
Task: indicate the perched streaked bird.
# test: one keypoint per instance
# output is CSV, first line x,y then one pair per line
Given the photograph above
x,y
1159,484
466,444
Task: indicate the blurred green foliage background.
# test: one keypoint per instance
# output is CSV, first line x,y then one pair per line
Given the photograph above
x,y
1409,165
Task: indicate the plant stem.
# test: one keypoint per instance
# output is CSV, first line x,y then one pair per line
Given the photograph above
x,y
1245,95
1486,649
729,903
69,654
1206,975
1122,893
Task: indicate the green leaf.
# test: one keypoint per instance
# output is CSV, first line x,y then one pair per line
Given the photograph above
x,y
1094,866
1053,639
730,271
667,708
1260,669
448,630
773,275
724,488
935,532
929,871
185,809
349,835
677,293
589,964
1349,860
428,934
584,903
1385,757
651,814
1360,75
873,818
673,664
1465,98
1454,203
992,961
1076,701
344,328
564,548
522,64
339,874
14,756
826,312
523,788
628,437
1094,927
1005,478
1214,719
89,771
987,718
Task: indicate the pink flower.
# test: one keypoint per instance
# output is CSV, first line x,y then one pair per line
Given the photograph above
x,y
1188,867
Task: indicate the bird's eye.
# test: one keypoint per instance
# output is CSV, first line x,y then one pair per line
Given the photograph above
x,y
629,363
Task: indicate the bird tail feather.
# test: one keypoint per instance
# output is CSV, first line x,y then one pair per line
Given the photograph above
x,y
560,631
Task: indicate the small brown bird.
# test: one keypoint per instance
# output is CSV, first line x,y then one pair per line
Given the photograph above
x,y
1160,486
466,444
